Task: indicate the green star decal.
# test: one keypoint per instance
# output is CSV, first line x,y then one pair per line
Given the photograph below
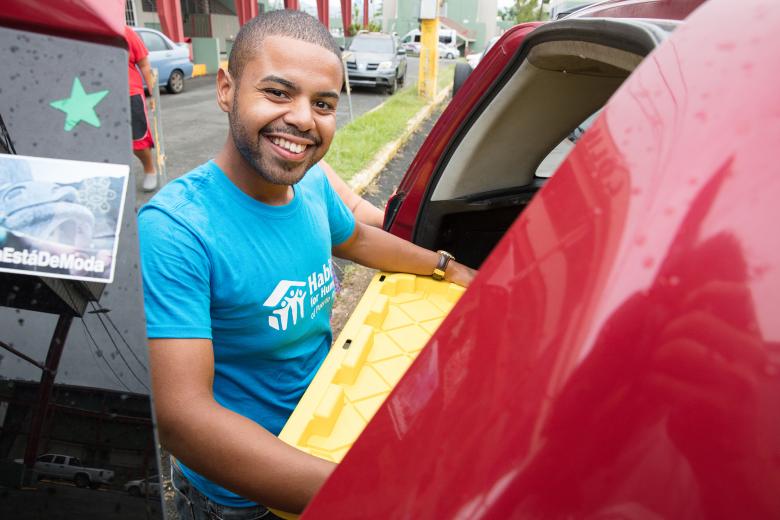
x,y
80,106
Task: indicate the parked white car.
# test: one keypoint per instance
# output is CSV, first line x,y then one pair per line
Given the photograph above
x,y
447,52
64,467
475,58
144,487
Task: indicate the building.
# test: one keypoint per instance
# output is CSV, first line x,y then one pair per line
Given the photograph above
x,y
217,18
478,18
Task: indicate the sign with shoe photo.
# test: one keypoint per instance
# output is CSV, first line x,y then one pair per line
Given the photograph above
x,y
60,218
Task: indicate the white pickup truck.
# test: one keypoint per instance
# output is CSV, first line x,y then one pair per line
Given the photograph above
x,y
64,467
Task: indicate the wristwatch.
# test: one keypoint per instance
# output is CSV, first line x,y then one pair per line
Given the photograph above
x,y
441,267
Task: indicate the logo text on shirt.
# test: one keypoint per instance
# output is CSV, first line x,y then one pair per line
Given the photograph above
x,y
289,298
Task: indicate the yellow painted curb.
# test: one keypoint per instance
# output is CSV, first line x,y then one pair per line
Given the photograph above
x,y
360,181
199,69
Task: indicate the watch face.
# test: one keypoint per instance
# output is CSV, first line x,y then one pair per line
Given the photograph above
x,y
445,253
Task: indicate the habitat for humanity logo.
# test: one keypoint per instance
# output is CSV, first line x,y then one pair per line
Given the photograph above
x,y
289,298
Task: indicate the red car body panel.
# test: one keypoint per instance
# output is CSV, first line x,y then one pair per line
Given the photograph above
x,y
618,355
667,9
100,21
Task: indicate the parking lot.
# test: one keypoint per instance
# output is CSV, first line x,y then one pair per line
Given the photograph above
x,y
60,500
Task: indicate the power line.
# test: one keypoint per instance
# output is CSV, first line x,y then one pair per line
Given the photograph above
x,y
97,347
116,347
122,337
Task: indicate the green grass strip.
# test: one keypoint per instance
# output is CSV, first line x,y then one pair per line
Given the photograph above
x,y
356,144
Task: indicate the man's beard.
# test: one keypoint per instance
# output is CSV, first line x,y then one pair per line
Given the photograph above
x,y
272,171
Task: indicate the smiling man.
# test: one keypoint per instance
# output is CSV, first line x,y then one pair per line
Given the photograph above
x,y
238,281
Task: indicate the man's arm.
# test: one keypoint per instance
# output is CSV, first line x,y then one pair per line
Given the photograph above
x,y
221,445
363,210
378,249
146,72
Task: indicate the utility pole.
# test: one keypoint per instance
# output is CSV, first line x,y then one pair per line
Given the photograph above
x,y
429,48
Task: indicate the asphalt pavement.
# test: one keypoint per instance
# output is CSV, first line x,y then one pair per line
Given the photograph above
x,y
194,127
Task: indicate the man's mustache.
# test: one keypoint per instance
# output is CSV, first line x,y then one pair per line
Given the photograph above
x,y
291,130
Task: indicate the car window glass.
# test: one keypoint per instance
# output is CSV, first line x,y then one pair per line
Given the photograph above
x,y
377,45
59,460
45,458
490,43
153,42
554,159
74,462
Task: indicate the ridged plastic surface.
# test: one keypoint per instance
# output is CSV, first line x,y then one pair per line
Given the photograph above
x,y
389,327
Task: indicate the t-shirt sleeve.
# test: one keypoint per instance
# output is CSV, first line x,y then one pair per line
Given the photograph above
x,y
340,218
136,47
176,277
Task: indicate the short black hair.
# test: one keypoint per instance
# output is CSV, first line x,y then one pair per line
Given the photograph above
x,y
289,23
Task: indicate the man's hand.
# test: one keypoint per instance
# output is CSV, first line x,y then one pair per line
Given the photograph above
x,y
379,249
459,274
146,71
151,103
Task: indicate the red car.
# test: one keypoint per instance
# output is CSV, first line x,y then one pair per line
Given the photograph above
x,y
618,355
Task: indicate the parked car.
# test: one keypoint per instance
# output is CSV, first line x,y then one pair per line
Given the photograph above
x,y
64,467
474,58
411,48
447,52
377,60
618,354
463,70
144,487
172,60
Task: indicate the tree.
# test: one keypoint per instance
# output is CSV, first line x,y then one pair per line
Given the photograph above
x,y
508,14
526,11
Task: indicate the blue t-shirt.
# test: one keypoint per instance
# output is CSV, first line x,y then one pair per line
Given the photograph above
x,y
255,279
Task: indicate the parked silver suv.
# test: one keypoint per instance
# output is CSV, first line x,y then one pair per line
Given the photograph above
x,y
377,60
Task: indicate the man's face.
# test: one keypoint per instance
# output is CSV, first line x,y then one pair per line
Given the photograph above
x,y
283,113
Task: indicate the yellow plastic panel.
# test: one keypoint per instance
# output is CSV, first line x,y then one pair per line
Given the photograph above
x,y
392,323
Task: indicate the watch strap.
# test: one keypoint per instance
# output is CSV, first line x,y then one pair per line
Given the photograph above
x,y
441,267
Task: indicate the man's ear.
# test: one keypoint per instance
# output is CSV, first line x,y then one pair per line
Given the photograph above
x,y
226,89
